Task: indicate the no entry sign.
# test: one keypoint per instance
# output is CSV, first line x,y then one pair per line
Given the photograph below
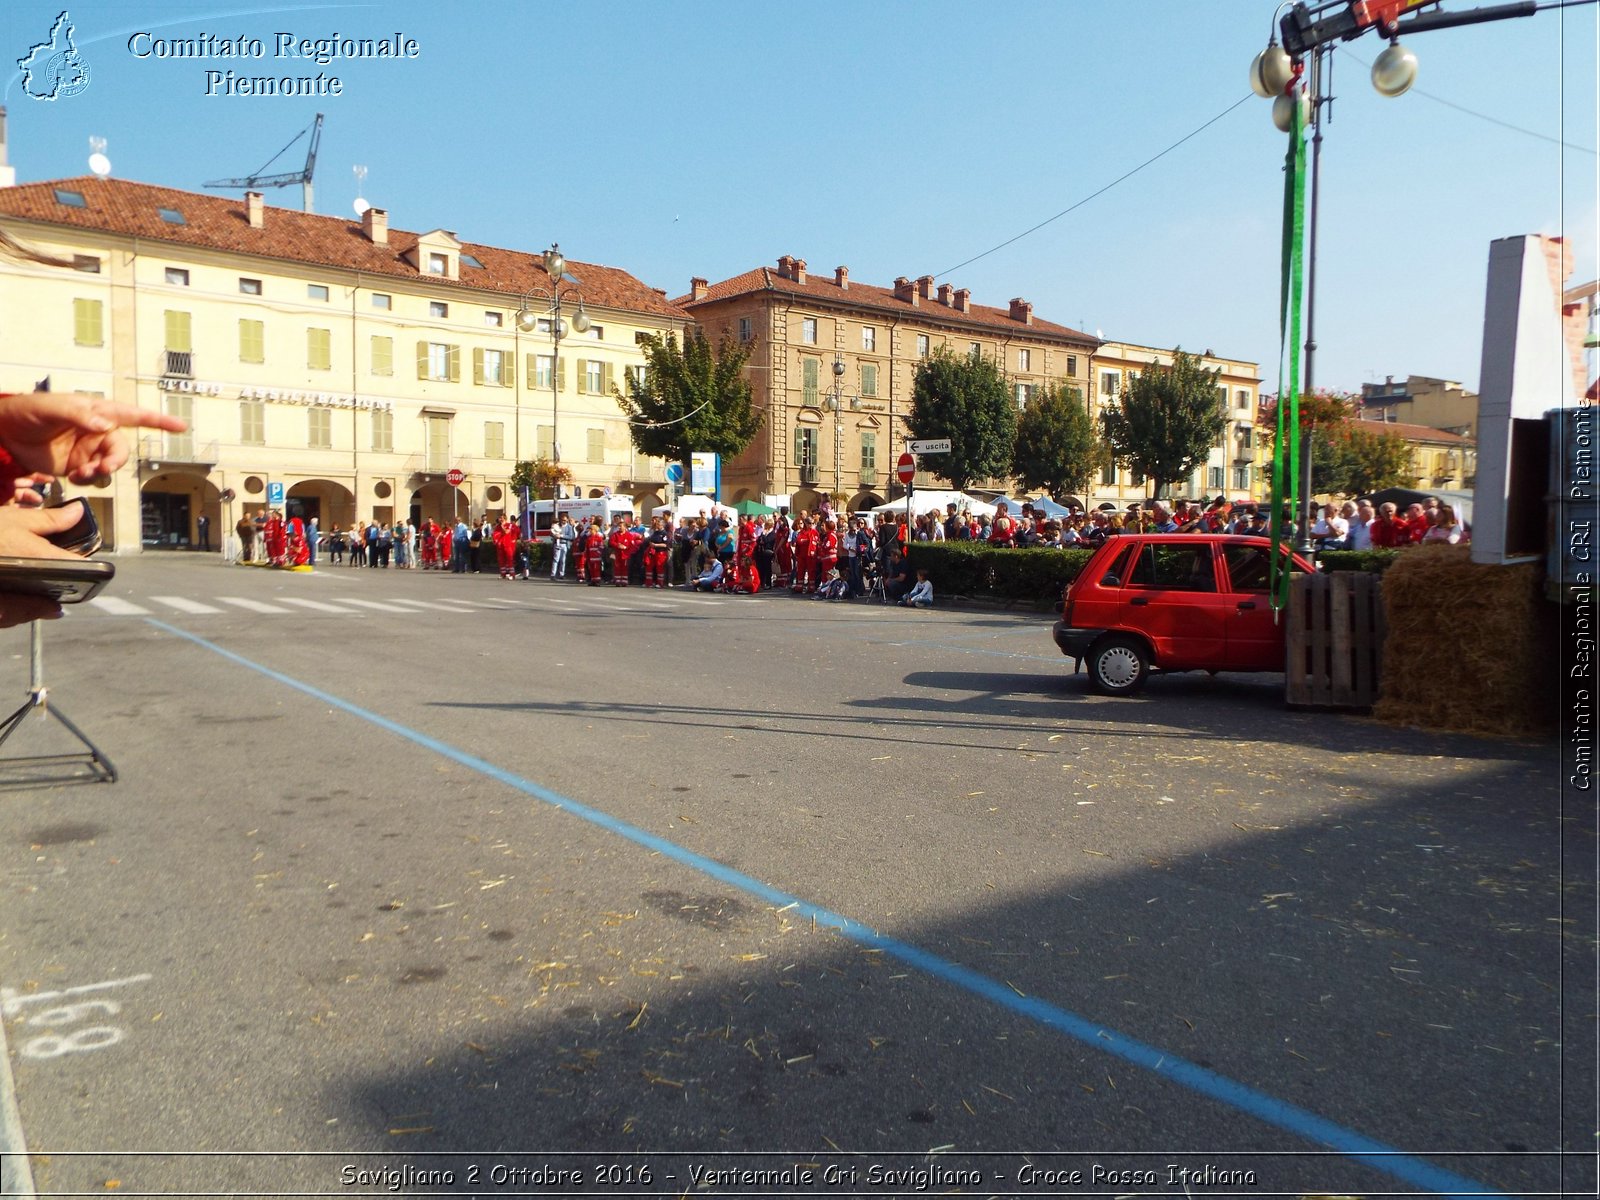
x,y
906,467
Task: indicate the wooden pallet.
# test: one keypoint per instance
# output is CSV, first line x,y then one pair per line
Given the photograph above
x,y
1335,640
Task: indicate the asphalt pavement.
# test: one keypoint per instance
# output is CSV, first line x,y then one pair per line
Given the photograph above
x,y
423,883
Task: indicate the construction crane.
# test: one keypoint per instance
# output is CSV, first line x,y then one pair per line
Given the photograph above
x,y
302,177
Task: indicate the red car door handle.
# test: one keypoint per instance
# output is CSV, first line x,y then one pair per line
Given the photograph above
x,y
1244,604
1140,600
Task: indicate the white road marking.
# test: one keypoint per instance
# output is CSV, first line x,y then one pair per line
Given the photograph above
x,y
320,606
454,606
255,606
118,607
379,605
184,604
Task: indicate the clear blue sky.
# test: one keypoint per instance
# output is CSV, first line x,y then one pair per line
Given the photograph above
x,y
675,139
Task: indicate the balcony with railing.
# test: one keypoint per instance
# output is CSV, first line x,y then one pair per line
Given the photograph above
x,y
178,449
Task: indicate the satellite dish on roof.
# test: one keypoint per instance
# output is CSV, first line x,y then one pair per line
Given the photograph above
x,y
98,162
360,206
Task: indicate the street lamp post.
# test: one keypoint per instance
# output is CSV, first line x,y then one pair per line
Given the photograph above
x,y
529,315
838,423
1309,30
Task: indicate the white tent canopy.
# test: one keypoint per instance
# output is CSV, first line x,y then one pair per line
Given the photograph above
x,y
931,501
696,506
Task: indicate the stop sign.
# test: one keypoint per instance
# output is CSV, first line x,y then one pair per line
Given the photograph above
x,y
906,467
455,476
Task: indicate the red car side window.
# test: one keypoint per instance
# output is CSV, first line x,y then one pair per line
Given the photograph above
x,y
1119,564
1175,567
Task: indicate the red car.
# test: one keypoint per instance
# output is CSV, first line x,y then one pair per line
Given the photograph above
x,y
1173,601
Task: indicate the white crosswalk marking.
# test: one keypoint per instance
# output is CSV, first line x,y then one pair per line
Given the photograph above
x,y
320,606
379,605
184,604
255,606
118,607
455,606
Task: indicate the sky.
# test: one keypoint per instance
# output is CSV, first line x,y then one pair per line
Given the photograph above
x,y
676,139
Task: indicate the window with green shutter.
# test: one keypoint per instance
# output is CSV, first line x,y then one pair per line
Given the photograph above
x,y
382,355
319,428
319,349
869,379
252,422
869,452
88,323
597,445
252,341
809,368
494,439
178,333
382,430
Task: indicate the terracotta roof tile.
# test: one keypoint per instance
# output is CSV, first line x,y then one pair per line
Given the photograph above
x,y
220,223
1412,433
825,288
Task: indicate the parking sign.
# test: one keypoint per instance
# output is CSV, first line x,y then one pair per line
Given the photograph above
x,y
275,494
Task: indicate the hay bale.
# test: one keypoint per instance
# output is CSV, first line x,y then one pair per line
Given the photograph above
x,y
1471,647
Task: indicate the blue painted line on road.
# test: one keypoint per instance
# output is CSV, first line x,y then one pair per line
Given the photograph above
x,y
1281,1114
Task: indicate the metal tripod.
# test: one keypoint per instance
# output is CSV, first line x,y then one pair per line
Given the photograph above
x,y
38,698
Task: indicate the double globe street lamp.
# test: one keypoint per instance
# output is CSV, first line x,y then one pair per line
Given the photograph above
x,y
540,308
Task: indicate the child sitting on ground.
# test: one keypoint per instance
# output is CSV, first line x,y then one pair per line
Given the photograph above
x,y
920,596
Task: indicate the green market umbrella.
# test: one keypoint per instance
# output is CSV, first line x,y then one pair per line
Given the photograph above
x,y
753,508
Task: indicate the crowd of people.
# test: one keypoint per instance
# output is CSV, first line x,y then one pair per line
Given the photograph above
x,y
823,555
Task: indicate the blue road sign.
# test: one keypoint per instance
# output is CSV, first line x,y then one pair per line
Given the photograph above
x,y
275,494
675,473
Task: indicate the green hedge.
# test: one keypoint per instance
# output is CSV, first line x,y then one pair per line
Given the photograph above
x,y
538,553
1376,561
978,569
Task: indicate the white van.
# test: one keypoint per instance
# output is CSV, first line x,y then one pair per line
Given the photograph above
x,y
601,508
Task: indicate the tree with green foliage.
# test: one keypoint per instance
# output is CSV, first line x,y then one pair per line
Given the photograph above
x,y
693,398
1348,456
1058,448
966,398
540,477
1167,422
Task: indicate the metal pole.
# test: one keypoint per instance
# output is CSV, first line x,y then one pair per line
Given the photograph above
x,y
1303,536
555,402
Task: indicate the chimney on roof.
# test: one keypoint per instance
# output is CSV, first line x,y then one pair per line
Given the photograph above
x,y
375,224
786,267
799,270
946,290
698,288
255,207
905,290
964,300
8,173
925,286
1021,310
841,276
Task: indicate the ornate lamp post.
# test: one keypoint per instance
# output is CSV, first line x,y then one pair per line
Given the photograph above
x,y
543,306
1281,74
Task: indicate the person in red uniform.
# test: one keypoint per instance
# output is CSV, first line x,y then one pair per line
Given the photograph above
x,y
657,554
594,546
619,546
827,550
805,553
1003,531
277,539
1390,531
505,547
297,553
782,550
745,577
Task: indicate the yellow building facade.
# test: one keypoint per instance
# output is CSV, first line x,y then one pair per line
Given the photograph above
x,y
832,363
344,365
1231,469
